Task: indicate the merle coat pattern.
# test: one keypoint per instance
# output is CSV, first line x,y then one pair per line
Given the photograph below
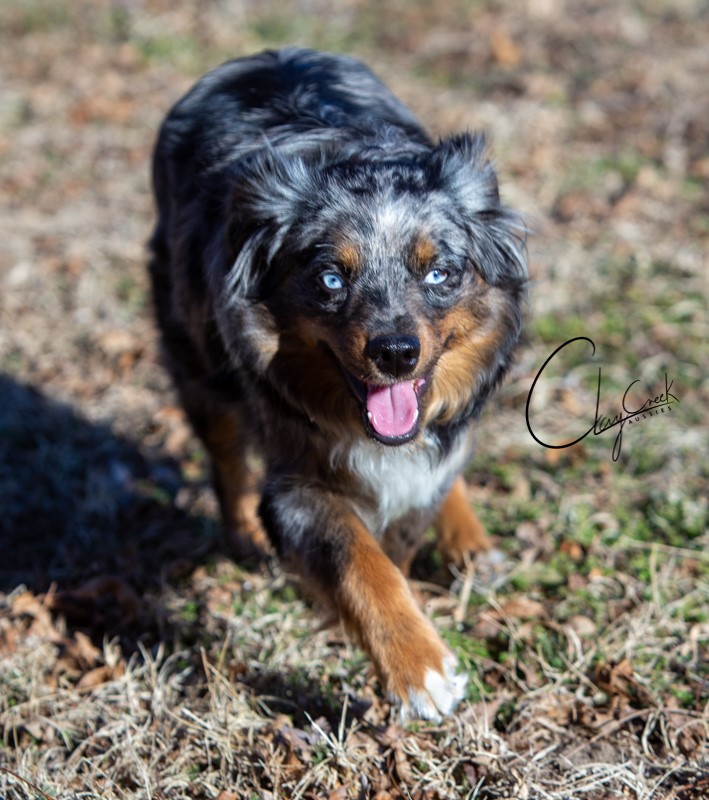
x,y
339,294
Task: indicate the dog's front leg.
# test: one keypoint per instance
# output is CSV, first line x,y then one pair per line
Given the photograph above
x,y
339,557
458,530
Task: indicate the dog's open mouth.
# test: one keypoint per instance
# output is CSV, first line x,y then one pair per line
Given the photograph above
x,y
390,412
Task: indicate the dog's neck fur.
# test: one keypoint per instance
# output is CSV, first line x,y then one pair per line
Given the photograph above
x,y
389,482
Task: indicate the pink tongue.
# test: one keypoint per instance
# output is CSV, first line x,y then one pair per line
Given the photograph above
x,y
392,410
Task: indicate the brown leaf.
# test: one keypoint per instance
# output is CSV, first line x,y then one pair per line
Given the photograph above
x,y
530,533
504,51
393,734
525,632
95,677
582,625
691,740
40,732
403,768
471,773
119,342
37,608
618,681
522,608
82,650
488,626
572,549
298,742
576,582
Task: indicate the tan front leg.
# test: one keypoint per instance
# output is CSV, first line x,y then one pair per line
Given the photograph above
x,y
458,530
377,607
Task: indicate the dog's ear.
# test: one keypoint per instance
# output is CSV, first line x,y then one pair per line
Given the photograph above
x,y
462,166
463,171
270,193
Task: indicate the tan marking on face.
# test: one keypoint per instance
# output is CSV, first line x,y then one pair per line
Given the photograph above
x,y
349,352
473,347
308,331
348,256
423,253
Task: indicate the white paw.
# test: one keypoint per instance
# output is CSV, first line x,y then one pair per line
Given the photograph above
x,y
441,693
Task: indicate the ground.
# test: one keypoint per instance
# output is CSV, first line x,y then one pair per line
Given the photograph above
x,y
137,660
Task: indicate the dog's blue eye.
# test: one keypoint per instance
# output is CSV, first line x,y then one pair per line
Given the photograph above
x,y
332,281
436,277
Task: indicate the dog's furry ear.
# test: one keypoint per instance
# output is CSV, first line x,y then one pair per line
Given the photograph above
x,y
270,193
463,167
496,236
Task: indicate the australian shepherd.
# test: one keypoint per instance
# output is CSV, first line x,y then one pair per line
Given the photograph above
x,y
340,294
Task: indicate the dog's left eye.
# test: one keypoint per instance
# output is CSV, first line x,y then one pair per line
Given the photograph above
x,y
332,281
436,277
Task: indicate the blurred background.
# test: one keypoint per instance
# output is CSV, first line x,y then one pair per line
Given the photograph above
x,y
598,118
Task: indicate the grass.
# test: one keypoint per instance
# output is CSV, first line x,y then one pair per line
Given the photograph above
x,y
136,659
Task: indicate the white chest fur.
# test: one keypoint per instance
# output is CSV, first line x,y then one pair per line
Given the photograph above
x,y
395,480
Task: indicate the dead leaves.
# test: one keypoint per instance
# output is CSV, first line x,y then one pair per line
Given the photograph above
x,y
494,622
29,618
33,614
618,681
53,661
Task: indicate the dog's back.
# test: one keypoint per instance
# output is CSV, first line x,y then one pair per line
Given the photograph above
x,y
266,100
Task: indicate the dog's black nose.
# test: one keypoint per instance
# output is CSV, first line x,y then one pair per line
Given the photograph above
x,y
394,355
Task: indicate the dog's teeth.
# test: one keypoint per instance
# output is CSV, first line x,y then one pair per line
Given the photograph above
x,y
370,417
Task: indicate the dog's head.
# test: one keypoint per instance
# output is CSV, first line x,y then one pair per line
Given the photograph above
x,y
376,291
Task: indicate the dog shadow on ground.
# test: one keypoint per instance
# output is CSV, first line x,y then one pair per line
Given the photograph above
x,y
88,517
89,524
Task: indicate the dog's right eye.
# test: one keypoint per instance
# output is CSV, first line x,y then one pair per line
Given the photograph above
x,y
332,281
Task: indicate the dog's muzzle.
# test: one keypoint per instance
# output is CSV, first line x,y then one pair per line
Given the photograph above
x,y
390,410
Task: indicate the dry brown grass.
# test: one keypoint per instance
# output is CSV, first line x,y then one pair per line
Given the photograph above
x,y
137,661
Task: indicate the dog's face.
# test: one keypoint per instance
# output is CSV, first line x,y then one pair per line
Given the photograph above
x,y
379,296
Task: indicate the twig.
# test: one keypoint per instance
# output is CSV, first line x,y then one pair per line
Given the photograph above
x,y
686,552
465,590
32,786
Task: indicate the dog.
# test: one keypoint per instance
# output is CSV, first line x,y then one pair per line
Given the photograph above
x,y
338,294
